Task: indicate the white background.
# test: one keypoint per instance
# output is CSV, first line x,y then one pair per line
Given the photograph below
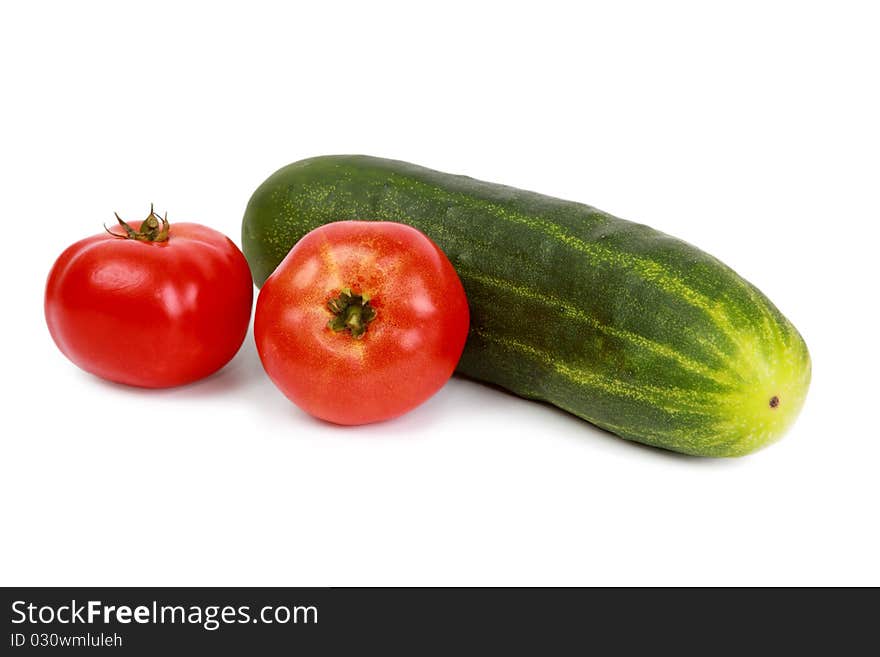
x,y
749,129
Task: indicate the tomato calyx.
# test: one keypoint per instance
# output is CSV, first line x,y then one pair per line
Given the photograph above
x,y
153,229
351,312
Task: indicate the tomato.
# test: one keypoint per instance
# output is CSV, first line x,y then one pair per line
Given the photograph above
x,y
362,321
150,304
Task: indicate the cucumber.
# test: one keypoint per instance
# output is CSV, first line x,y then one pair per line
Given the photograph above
x,y
635,331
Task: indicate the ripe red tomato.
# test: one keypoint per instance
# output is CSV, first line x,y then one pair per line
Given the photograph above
x,y
150,305
362,321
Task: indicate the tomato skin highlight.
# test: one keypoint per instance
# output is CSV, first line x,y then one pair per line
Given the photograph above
x,y
150,314
407,352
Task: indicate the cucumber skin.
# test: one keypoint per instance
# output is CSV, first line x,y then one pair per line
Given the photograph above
x,y
635,331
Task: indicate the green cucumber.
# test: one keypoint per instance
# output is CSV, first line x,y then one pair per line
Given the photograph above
x,y
630,329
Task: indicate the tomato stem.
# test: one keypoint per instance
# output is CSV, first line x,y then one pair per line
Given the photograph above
x,y
153,229
351,312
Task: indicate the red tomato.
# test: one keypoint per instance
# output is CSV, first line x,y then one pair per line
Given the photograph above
x,y
362,321
153,306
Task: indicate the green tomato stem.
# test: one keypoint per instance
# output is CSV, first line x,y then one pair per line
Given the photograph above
x,y
351,312
153,229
